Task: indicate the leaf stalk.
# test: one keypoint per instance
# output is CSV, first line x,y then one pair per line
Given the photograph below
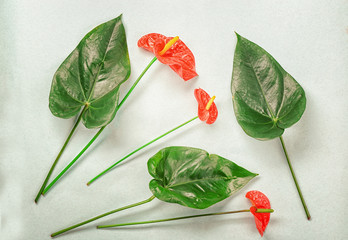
x,y
295,179
73,161
100,216
44,184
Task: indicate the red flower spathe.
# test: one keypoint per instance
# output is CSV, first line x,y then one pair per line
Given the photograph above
x,y
208,116
259,200
178,57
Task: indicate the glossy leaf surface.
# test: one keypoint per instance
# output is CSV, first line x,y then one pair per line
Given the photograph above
x,y
91,75
194,178
266,98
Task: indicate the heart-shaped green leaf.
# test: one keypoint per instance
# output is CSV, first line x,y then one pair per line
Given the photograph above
x,y
266,99
194,178
91,76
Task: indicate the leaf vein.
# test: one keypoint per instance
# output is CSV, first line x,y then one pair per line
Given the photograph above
x,y
198,180
236,92
65,89
101,64
259,83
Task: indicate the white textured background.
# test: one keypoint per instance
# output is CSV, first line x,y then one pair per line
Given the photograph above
x,y
308,38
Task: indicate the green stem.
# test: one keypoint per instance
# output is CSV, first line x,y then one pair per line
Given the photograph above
x,y
137,81
185,217
59,155
73,161
102,215
101,129
295,179
145,145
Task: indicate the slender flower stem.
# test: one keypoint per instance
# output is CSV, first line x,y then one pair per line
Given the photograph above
x,y
145,145
72,162
185,217
100,130
59,155
100,216
295,179
136,82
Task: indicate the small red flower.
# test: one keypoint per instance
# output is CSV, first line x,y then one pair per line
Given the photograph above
x,y
206,113
178,57
259,200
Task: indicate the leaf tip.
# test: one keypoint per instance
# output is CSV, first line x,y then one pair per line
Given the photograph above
x,y
118,18
237,34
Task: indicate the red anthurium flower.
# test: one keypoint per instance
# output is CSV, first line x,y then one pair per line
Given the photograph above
x,y
178,57
207,111
259,200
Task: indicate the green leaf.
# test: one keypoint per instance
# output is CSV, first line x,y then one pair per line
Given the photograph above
x,y
194,178
91,76
266,99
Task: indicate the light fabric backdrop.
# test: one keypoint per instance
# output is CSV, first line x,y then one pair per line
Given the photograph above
x,y
308,38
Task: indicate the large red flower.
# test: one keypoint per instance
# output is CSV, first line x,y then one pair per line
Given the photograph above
x,y
178,57
259,200
206,115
